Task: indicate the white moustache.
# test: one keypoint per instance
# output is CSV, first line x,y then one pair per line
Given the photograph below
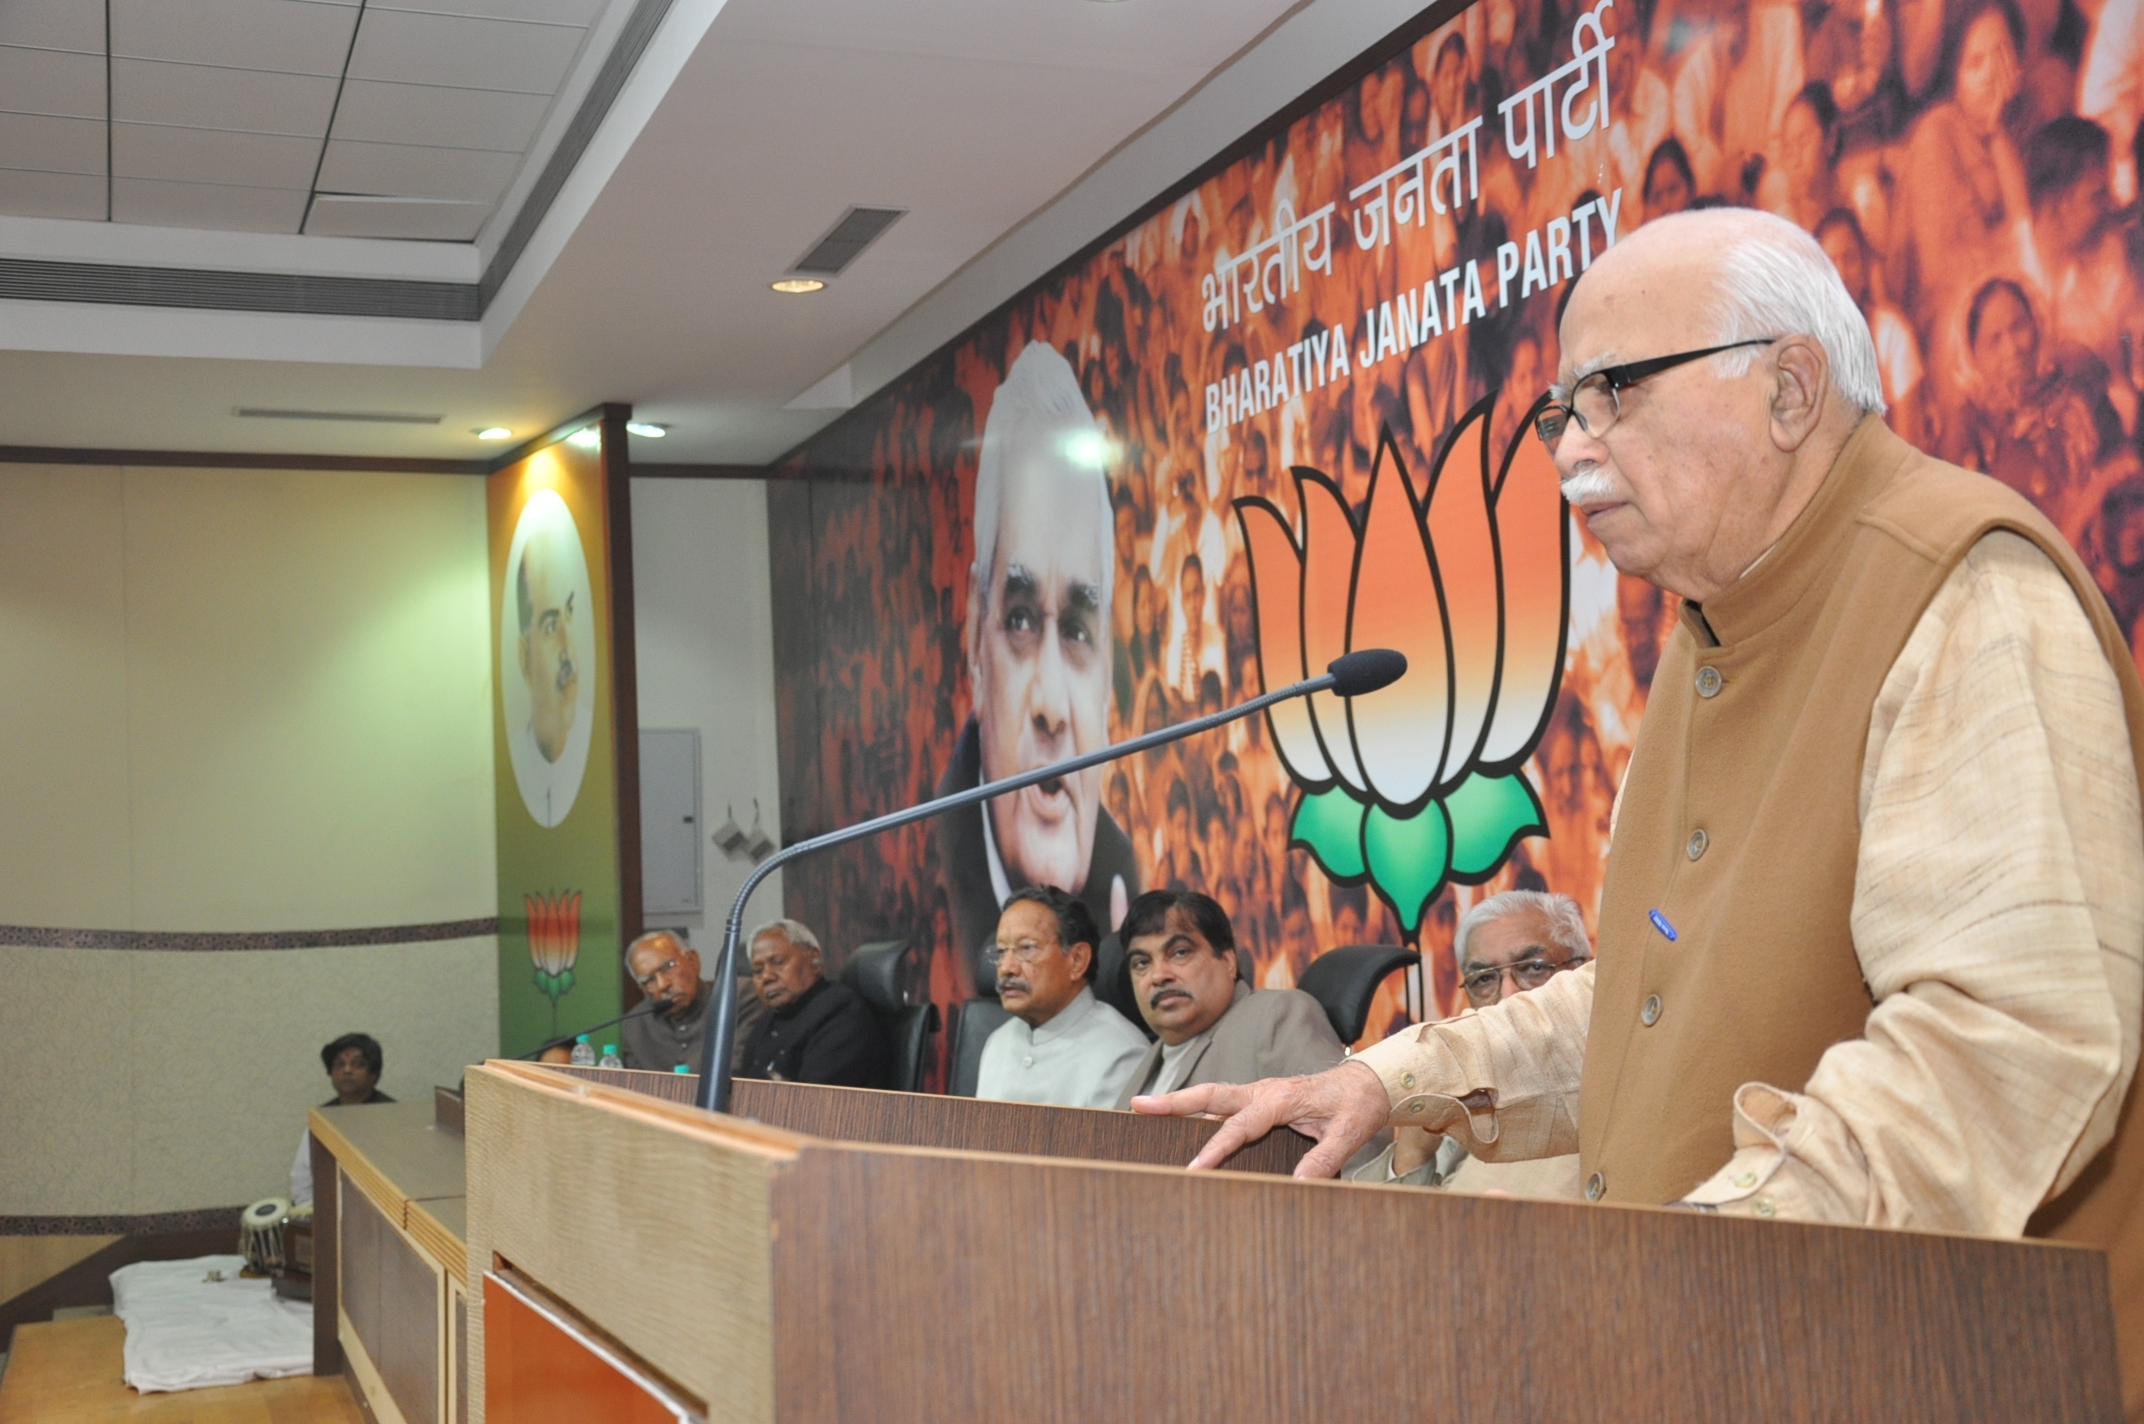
x,y
1589,484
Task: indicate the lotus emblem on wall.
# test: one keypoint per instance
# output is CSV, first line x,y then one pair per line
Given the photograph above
x,y
1419,784
554,941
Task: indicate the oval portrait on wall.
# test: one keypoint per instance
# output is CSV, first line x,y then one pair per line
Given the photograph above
x,y
547,657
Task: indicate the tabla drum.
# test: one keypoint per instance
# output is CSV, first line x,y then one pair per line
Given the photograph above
x,y
260,1234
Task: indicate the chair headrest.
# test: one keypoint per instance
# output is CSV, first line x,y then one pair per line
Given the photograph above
x,y
875,972
1344,981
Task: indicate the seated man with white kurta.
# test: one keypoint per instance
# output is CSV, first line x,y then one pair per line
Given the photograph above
x,y
1507,944
1062,1044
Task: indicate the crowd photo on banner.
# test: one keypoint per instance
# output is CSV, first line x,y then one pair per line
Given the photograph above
x,y
1288,409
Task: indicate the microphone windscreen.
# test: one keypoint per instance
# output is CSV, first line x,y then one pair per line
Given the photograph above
x,y
1366,670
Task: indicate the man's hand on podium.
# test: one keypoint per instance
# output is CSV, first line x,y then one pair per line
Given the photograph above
x,y
1342,1108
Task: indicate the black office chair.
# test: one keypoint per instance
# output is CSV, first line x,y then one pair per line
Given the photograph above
x,y
878,973
1344,980
973,1023
1113,982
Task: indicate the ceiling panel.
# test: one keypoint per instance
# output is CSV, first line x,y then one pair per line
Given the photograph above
x,y
421,218
210,205
147,91
206,156
373,112
400,170
53,145
51,195
44,81
54,24
555,12
469,54
240,34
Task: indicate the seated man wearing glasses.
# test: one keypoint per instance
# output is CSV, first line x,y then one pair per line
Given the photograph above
x,y
1062,1045
1505,945
672,1032
1213,1027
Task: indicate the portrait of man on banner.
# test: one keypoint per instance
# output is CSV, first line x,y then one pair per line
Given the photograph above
x,y
547,657
1037,646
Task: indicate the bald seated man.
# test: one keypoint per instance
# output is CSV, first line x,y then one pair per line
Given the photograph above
x,y
1871,939
674,1032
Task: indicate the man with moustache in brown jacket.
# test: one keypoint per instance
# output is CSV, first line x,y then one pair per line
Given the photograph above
x,y
1871,942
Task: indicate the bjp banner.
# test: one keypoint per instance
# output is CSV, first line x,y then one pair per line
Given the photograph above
x,y
1285,412
566,899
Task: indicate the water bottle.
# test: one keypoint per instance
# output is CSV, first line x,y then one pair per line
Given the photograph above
x,y
610,1057
583,1055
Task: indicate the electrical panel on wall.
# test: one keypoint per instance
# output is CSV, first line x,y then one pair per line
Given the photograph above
x,y
669,821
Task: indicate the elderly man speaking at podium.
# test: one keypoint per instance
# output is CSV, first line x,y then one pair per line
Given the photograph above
x,y
1871,941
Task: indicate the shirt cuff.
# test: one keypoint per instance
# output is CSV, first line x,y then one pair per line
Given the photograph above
x,y
1422,1082
1767,1178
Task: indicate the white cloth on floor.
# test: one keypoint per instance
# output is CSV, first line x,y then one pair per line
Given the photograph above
x,y
187,1331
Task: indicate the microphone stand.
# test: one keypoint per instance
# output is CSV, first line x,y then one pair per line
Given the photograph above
x,y
1355,674
562,1041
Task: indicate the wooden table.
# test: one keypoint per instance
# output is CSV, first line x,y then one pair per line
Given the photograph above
x,y
390,1259
671,1262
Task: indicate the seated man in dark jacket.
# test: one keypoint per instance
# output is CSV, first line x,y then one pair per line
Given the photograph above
x,y
815,1031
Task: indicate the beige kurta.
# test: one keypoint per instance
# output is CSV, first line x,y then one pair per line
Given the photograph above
x,y
2006,1022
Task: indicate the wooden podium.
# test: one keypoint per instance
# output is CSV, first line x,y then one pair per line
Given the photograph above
x,y
640,1259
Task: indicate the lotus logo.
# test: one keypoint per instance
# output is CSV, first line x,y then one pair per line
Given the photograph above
x,y
554,940
1419,784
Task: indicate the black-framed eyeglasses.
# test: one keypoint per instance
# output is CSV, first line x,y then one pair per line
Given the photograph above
x,y
1486,986
1596,401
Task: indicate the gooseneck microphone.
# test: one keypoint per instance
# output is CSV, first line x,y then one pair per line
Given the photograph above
x,y
644,1006
1351,675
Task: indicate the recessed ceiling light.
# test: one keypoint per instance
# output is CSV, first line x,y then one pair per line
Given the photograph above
x,y
646,430
493,432
797,285
588,437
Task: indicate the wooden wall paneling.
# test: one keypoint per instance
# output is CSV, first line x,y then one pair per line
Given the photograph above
x,y
436,1226
30,1261
964,1124
89,1280
413,1328
458,1356
625,680
990,1287
359,1292
394,1299
790,530
327,1257
582,1188
395,1152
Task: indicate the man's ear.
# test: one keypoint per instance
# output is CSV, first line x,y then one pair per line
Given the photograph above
x,y
1081,957
1801,379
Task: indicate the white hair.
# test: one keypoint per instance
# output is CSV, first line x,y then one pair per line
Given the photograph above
x,y
681,937
792,930
1039,398
1776,281
1566,926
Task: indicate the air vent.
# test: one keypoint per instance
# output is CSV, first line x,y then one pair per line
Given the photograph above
x,y
363,417
857,230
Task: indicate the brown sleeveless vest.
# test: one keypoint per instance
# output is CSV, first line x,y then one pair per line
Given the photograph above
x,y
1740,824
